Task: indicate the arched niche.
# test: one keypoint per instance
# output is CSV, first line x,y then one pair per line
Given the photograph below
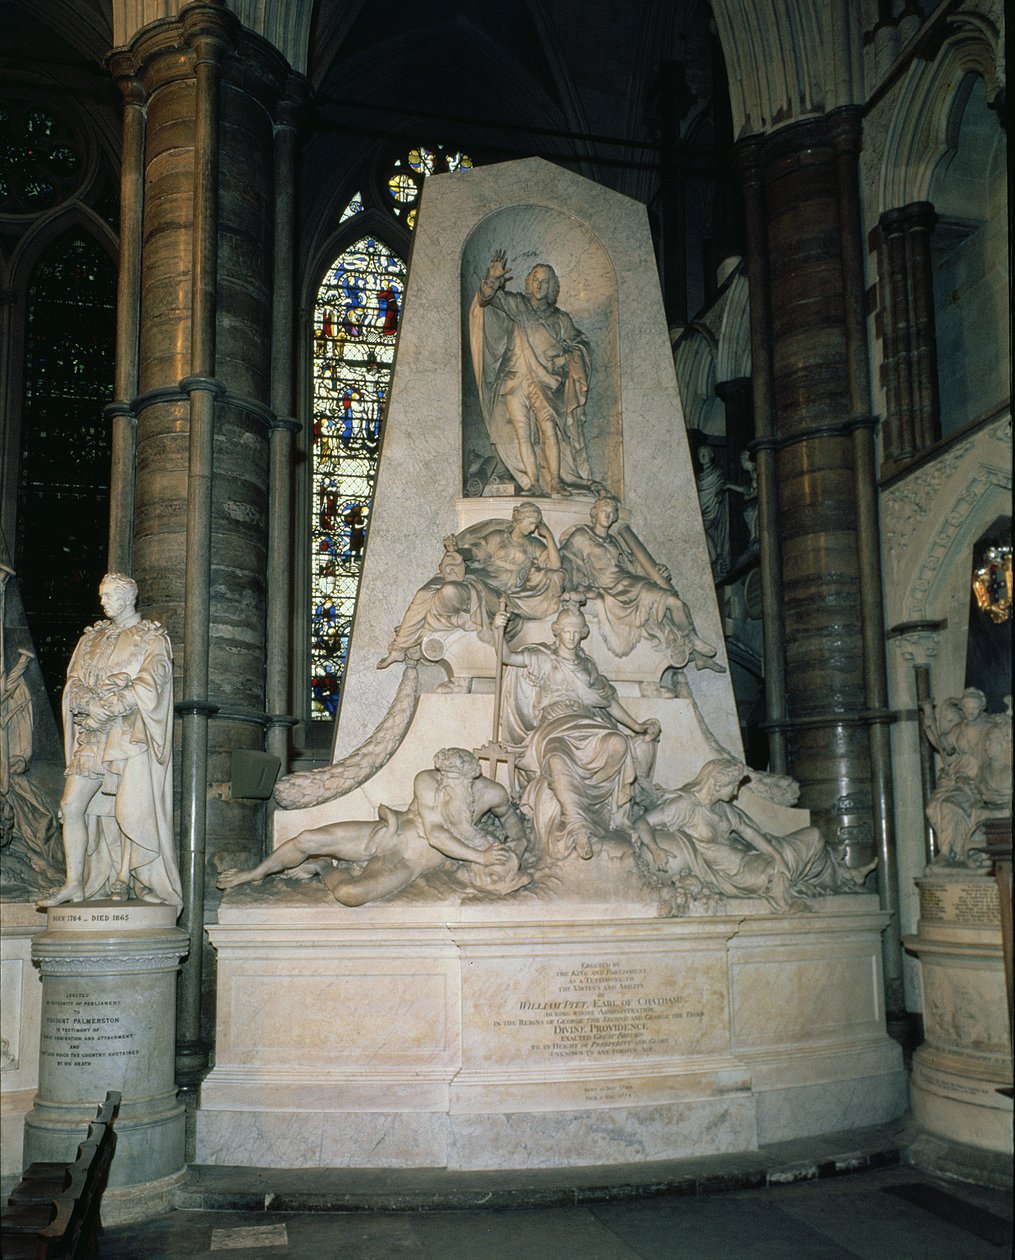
x,y
528,235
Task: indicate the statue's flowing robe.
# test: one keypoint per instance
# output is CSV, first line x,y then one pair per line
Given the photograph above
x,y
632,605
131,753
26,812
516,347
504,567
705,843
581,766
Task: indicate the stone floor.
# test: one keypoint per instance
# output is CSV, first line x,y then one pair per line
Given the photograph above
x,y
881,1213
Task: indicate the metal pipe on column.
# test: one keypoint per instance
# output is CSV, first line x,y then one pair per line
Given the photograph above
x,y
846,142
280,456
206,40
120,412
922,687
749,161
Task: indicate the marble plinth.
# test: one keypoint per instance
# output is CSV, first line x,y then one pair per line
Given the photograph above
x,y
966,1057
20,1012
108,1020
437,1036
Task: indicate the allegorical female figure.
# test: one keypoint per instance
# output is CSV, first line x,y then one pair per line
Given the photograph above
x,y
515,562
704,836
633,604
580,750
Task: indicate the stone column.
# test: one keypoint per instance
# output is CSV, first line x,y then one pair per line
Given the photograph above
x,y
204,420
284,427
814,438
108,1000
773,630
120,410
912,419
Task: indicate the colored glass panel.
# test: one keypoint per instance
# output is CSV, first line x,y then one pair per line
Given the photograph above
x,y
407,173
354,207
355,329
39,162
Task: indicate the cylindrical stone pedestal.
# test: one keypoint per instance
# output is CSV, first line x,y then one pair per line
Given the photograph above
x,y
108,1022
965,1061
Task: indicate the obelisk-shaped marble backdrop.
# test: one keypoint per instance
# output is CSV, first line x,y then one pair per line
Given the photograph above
x,y
599,244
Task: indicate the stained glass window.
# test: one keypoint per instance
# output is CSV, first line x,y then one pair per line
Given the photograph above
x,y
39,160
355,206
355,329
63,503
407,173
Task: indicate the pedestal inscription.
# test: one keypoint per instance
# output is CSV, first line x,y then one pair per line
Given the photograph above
x,y
971,902
578,1010
79,1030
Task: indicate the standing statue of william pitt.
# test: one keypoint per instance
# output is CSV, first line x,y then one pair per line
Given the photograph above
x,y
532,368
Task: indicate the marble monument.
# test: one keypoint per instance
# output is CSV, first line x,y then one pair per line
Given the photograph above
x,y
572,926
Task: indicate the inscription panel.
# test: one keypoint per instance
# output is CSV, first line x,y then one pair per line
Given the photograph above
x,y
569,1009
83,1031
966,902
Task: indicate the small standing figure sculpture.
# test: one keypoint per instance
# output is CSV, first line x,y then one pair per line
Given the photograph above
x,y
715,512
532,368
117,803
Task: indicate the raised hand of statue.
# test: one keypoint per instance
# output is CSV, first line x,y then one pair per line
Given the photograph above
x,y
497,274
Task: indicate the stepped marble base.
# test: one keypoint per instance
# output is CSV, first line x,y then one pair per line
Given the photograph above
x,y
20,1007
461,1037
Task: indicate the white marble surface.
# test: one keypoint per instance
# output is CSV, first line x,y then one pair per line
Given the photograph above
x,y
601,246
20,1015
427,1039
966,1055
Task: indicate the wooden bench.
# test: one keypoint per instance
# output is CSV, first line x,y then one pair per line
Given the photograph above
x,y
53,1213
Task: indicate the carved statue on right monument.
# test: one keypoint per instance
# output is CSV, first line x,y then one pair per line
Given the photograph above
x,y
975,777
